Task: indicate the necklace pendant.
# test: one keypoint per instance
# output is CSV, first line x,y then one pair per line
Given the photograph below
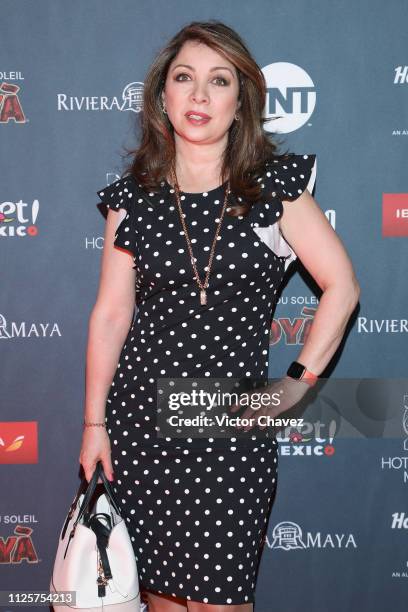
x,y
203,297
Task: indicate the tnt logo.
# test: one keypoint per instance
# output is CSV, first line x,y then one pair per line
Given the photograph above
x,y
10,106
291,96
399,521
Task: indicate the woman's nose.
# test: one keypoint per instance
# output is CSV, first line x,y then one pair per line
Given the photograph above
x,y
199,93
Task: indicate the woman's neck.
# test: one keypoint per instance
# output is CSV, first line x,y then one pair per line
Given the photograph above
x,y
196,184
198,167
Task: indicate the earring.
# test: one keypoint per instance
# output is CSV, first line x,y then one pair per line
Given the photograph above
x,y
236,118
164,109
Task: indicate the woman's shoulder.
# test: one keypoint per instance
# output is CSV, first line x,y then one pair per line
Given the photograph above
x,y
120,184
287,176
119,194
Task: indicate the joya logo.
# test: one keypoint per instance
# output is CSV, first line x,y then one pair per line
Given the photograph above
x,y
18,547
10,105
291,95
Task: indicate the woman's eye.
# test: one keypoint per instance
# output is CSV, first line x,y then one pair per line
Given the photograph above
x,y
218,78
181,74
224,81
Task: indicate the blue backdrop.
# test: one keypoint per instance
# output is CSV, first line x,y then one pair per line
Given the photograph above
x,y
71,86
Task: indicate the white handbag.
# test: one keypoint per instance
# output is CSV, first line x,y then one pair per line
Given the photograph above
x,y
95,557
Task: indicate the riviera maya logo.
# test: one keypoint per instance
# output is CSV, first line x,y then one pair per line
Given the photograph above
x,y
288,535
27,329
131,99
10,105
290,98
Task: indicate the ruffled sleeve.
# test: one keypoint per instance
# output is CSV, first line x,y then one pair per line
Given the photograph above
x,y
287,178
120,194
284,179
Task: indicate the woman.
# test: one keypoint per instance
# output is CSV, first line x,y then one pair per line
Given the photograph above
x,y
204,225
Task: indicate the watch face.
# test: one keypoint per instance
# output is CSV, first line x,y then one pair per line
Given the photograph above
x,y
296,370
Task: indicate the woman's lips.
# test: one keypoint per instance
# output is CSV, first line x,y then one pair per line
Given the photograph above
x,y
197,118
195,121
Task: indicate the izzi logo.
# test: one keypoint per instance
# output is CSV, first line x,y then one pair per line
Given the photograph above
x,y
291,96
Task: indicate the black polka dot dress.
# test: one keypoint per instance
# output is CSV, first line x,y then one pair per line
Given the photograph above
x,y
197,509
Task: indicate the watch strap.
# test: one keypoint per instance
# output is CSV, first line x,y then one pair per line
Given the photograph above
x,y
298,371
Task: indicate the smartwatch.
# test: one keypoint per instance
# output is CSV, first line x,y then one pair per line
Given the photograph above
x,y
298,371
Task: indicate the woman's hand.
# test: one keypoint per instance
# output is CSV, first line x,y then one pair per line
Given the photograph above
x,y
96,447
284,394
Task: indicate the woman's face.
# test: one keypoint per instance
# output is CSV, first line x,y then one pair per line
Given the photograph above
x,y
200,80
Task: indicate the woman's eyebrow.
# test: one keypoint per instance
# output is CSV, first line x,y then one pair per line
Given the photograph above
x,y
211,70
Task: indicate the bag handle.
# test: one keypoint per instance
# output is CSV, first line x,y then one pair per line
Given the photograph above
x,y
91,489
108,488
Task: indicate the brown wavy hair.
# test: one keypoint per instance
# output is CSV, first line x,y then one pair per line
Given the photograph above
x,y
248,147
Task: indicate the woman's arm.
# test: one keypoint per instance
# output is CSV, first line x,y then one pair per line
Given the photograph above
x,y
109,321
307,230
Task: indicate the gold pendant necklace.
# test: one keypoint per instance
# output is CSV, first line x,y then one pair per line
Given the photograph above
x,y
202,286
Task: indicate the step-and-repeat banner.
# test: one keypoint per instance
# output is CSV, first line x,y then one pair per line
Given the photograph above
x,y
71,89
